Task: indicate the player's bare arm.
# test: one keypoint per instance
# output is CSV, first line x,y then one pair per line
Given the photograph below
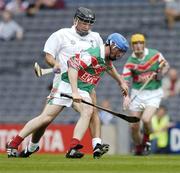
x,y
73,76
114,74
163,69
52,62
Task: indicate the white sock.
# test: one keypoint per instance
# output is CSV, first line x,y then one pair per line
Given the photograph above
x,y
32,146
96,141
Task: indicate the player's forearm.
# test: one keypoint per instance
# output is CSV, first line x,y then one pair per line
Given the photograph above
x,y
115,75
73,76
165,68
50,60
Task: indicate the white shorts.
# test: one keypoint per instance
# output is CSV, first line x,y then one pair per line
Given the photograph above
x,y
147,97
55,99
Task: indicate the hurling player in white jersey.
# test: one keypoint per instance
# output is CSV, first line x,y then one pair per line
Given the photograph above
x,y
59,47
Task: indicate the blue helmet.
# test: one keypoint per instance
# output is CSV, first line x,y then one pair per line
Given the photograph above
x,y
119,40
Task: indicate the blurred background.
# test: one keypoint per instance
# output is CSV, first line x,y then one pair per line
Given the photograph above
x,y
23,94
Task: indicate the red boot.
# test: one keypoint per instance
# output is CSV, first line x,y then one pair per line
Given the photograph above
x,y
146,144
139,150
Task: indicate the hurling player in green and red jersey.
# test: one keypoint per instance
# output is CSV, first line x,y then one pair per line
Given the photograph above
x,y
143,63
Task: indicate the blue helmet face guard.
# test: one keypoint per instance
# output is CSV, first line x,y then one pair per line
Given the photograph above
x,y
119,41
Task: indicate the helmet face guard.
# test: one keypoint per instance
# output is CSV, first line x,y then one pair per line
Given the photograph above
x,y
115,53
85,20
85,15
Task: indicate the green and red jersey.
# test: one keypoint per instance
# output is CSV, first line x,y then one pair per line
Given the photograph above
x,y
91,65
137,67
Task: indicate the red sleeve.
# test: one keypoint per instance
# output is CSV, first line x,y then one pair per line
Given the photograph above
x,y
76,62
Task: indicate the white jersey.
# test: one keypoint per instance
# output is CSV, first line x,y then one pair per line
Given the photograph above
x,y
64,43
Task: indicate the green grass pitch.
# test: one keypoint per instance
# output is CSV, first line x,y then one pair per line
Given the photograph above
x,y
107,164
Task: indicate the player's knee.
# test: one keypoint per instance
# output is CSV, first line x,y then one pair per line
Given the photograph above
x,y
146,120
87,111
134,127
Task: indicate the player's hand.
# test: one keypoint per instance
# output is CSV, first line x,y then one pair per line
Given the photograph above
x,y
144,78
159,75
76,97
126,102
162,64
124,88
57,68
